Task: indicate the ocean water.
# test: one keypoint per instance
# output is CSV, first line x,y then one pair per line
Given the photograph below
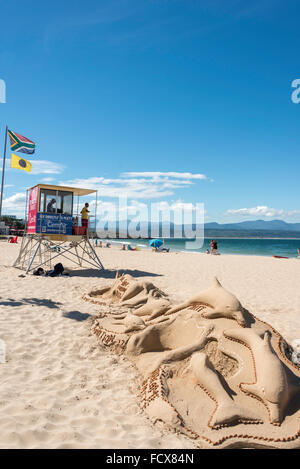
x,y
254,247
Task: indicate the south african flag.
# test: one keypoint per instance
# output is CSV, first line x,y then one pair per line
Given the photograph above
x,y
20,143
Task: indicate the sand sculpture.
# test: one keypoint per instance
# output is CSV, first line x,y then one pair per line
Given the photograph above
x,y
210,368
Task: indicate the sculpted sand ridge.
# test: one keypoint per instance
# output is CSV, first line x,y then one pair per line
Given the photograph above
x,y
210,369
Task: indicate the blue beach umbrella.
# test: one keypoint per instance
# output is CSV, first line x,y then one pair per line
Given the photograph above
x,y
156,243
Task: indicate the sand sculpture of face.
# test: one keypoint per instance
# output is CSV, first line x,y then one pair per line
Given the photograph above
x,y
210,368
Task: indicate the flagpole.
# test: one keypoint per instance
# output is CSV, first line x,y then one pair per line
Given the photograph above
x,y
3,170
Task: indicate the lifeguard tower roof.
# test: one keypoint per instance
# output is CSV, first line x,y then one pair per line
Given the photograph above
x,y
76,190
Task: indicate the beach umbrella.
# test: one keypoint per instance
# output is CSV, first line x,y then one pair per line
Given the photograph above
x,y
156,243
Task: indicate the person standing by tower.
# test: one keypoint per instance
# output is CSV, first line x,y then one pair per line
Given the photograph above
x,y
85,217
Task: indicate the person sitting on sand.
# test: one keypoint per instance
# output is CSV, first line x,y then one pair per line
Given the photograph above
x,y
130,248
161,249
207,251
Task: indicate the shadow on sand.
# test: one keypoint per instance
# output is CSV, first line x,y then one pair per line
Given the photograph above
x,y
111,273
76,315
31,301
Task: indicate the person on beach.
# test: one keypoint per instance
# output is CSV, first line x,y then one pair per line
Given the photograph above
x,y
85,216
207,251
164,249
214,246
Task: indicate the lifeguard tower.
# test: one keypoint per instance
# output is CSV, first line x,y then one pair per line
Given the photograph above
x,y
53,229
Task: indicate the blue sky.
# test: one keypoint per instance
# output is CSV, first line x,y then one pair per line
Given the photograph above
x,y
178,101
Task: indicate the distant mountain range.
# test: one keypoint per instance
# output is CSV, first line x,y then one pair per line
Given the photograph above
x,y
278,225
245,229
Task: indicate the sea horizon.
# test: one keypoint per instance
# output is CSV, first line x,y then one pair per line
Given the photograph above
x,y
268,247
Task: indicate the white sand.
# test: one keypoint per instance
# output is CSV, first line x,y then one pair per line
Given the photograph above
x,y
58,389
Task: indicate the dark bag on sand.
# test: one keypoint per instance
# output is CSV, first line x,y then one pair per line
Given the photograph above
x,y
39,271
58,270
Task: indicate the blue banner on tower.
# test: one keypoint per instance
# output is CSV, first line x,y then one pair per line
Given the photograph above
x,y
50,223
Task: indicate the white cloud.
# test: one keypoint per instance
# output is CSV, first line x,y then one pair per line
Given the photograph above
x,y
138,185
263,211
46,180
39,167
46,167
134,186
156,174
14,204
130,188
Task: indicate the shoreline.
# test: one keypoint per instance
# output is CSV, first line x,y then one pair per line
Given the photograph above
x,y
144,247
210,237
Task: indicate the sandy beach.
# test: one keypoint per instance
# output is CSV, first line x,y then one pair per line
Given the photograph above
x,y
60,389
